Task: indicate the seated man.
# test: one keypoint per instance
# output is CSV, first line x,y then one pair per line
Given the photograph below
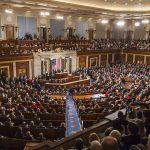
x,y
109,143
133,138
41,137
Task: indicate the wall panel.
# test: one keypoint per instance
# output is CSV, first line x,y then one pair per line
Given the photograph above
x,y
22,68
82,61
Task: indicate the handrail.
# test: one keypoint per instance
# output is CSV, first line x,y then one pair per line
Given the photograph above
x,y
69,141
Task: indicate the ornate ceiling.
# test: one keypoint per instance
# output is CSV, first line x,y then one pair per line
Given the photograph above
x,y
128,9
114,5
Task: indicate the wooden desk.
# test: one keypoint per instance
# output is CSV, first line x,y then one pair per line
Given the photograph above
x,y
61,75
86,82
69,79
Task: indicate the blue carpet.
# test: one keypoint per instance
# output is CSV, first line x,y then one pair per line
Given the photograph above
x,y
72,120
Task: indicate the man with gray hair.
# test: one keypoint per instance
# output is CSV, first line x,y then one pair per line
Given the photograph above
x,y
109,143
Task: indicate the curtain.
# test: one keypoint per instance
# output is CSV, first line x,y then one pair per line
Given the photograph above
x,y
57,27
81,28
27,25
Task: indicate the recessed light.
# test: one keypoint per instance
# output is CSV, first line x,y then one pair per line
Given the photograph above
x,y
9,11
137,24
120,23
104,21
44,13
145,21
60,17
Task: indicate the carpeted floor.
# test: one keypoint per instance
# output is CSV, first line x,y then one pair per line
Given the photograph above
x,y
72,120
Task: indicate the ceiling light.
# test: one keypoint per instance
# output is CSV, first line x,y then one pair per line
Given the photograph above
x,y
120,23
60,17
104,21
44,13
145,21
137,24
9,11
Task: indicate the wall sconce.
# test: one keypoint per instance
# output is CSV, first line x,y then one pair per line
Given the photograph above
x,y
38,29
2,27
91,30
16,28
48,29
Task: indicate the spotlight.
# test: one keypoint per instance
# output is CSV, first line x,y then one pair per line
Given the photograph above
x,y
8,11
145,21
120,23
104,21
137,24
60,17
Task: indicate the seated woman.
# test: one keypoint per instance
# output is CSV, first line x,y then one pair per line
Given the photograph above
x,y
41,137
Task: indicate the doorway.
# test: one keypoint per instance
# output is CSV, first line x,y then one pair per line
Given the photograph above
x,y
43,33
9,32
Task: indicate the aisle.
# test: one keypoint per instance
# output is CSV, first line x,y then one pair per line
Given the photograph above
x,y
72,120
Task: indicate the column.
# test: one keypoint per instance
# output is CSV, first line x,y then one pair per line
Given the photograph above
x,y
42,66
133,58
60,64
113,58
30,69
126,57
87,61
67,64
107,59
144,59
99,60
14,69
77,63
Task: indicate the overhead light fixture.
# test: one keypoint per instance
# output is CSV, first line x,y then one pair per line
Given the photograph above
x,y
44,13
145,21
8,11
137,24
120,23
104,21
60,17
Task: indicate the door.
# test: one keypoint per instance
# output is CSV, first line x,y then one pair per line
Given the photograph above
x,y
43,33
9,32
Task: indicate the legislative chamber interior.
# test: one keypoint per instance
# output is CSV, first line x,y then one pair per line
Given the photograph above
x,y
74,75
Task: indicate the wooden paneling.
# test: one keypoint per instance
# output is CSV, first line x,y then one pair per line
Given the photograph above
x,y
82,61
7,68
22,68
139,59
123,57
109,58
117,58
148,60
130,58
9,32
16,57
104,59
93,60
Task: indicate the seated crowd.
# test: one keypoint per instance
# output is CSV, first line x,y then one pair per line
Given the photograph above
x,y
31,45
26,107
30,113
126,133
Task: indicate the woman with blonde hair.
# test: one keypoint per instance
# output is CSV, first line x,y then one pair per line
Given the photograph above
x,y
93,137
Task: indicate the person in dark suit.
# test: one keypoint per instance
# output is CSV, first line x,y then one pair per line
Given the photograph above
x,y
133,138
